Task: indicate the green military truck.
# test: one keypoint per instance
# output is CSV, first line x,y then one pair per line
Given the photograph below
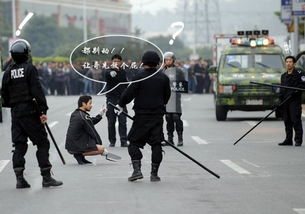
x,y
248,58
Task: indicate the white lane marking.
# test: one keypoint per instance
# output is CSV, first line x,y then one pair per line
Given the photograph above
x,y
187,99
235,167
250,163
299,210
69,114
185,123
3,164
251,123
198,140
54,123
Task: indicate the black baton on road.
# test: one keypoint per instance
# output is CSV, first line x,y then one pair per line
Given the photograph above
x,y
173,146
55,144
51,135
287,98
278,86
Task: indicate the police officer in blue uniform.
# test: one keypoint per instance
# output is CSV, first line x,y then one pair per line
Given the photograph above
x,y
21,91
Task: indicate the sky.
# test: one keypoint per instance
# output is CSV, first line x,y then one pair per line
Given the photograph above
x,y
152,6
233,15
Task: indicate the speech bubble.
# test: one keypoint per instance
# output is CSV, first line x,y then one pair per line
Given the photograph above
x,y
95,55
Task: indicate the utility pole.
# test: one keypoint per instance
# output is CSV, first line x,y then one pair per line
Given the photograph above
x,y
85,34
206,5
14,18
195,26
295,38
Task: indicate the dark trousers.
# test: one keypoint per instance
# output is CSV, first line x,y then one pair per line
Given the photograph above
x,y
29,127
112,117
146,129
173,121
292,113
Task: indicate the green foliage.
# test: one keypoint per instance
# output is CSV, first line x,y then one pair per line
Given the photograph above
x,y
48,39
43,35
5,32
50,59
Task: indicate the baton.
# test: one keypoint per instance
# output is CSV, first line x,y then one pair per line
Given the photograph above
x,y
55,144
287,98
51,135
279,86
173,146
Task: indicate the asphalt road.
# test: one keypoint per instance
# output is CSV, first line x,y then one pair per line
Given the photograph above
x,y
257,176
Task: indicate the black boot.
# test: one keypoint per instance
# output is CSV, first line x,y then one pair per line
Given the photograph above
x,y
79,158
170,139
154,172
180,139
137,174
85,161
21,182
47,180
286,142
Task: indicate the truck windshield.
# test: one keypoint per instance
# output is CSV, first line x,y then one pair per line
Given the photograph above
x,y
259,61
268,61
237,61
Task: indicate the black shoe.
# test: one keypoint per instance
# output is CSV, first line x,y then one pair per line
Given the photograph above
x,y
180,143
137,174
286,143
48,181
180,139
111,145
22,183
124,145
79,158
85,161
298,144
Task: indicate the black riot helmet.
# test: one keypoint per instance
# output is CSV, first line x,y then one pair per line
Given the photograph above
x,y
20,51
150,58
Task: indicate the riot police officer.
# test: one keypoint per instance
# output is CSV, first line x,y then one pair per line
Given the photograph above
x,y
173,107
22,92
292,109
150,97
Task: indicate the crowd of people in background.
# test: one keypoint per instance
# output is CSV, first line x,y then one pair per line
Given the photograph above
x,y
59,78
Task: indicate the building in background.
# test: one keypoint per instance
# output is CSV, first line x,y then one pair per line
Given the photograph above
x,y
103,16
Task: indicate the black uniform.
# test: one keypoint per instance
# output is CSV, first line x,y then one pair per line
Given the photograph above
x,y
292,109
20,85
113,97
150,97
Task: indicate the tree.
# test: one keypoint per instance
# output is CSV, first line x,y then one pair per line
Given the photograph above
x,y
43,35
5,32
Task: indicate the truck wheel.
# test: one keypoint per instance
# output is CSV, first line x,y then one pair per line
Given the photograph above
x,y
278,114
221,113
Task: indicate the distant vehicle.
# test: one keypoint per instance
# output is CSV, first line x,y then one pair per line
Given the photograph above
x,y
251,56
